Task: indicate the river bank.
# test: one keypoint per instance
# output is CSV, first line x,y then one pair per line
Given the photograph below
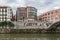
x,y
27,31
33,31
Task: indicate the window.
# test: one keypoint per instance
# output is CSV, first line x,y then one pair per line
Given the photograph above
x,y
56,18
56,11
2,17
3,14
51,18
30,24
48,13
35,23
48,16
40,24
5,9
45,14
2,9
10,9
51,12
5,17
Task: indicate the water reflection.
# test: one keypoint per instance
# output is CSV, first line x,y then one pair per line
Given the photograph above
x,y
29,37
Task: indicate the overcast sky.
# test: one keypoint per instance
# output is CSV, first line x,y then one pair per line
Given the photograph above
x,y
41,5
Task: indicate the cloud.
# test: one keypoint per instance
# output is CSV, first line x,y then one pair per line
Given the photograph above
x,y
44,5
2,2
41,5
13,3
16,3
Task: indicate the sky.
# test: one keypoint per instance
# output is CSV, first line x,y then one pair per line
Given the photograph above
x,y
42,5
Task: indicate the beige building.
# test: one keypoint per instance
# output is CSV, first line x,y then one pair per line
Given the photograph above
x,y
31,13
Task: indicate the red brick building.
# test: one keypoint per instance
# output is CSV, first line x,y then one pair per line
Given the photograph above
x,y
52,15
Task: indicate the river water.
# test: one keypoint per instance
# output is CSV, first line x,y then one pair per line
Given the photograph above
x,y
29,36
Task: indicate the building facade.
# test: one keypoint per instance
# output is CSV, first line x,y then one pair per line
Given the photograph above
x,y
31,12
52,15
23,13
5,13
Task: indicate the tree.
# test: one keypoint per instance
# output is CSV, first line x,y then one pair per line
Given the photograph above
x,y
10,24
5,24
0,24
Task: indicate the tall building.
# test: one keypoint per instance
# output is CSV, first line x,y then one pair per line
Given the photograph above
x,y
5,13
52,15
31,12
26,13
21,13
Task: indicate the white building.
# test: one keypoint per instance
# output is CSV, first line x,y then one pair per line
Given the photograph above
x,y
5,13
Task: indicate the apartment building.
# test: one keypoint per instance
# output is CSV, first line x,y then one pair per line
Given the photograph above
x,y
31,12
52,15
5,13
26,13
21,13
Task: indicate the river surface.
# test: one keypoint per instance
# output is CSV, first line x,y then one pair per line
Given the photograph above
x,y
29,36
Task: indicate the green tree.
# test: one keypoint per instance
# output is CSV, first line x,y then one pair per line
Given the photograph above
x,y
5,24
0,24
10,24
